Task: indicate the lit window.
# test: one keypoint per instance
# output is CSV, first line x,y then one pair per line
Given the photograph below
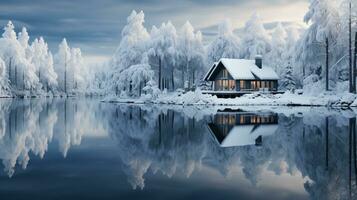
x,y
242,84
241,119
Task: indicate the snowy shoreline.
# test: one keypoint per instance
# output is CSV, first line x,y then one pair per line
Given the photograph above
x,y
343,100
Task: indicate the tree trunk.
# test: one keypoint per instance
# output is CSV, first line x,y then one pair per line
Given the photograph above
x,y
352,130
350,49
327,63
130,87
193,78
159,82
326,142
23,79
15,76
10,63
140,89
188,78
172,79
355,64
65,73
183,77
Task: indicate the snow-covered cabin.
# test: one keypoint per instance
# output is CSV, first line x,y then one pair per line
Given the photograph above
x,y
242,128
232,77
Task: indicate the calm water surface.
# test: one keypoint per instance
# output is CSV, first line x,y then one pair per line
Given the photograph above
x,y
85,149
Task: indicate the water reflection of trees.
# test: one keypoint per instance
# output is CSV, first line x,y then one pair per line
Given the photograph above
x,y
319,146
28,126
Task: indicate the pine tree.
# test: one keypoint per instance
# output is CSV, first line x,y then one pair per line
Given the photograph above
x,y
288,81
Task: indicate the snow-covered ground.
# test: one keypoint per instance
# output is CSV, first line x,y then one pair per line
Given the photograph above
x,y
256,99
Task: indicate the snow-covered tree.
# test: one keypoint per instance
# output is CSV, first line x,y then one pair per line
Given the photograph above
x,y
62,64
277,55
131,47
43,61
136,77
226,45
190,54
4,82
255,40
9,32
288,81
310,51
77,71
24,38
11,51
20,70
163,53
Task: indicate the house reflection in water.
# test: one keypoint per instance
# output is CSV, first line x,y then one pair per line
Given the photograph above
x,y
237,128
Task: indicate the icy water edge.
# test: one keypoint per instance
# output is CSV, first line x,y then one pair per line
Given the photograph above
x,y
85,149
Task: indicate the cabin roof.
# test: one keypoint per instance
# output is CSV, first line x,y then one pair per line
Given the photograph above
x,y
242,135
242,69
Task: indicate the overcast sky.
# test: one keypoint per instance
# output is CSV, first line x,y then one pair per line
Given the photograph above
x,y
95,25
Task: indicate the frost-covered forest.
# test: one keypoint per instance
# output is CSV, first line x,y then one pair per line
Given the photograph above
x,y
30,69
148,61
168,58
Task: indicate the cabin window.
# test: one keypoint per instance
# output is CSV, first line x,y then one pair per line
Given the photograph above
x,y
248,85
226,119
225,73
225,85
253,84
241,119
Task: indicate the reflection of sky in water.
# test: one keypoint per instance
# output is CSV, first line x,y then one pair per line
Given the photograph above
x,y
91,150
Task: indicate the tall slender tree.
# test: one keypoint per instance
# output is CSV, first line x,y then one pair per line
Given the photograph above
x,y
351,86
355,63
327,65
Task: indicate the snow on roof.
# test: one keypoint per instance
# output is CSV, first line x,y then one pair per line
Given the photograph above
x,y
242,69
243,135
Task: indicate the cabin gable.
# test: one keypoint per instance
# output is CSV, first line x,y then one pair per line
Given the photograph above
x,y
220,73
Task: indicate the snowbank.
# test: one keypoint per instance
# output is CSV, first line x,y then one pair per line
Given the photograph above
x,y
255,99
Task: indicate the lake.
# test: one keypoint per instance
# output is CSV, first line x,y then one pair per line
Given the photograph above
x,y
86,149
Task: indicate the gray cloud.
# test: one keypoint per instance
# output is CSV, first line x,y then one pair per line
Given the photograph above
x,y
95,25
